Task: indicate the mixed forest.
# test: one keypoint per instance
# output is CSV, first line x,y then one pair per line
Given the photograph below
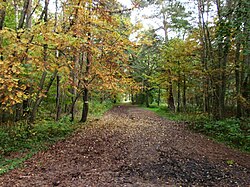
x,y
61,60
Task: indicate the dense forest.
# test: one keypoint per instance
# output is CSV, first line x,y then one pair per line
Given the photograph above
x,y
58,57
52,60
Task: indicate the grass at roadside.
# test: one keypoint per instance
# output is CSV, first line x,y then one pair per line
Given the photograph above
x,y
97,109
18,142
231,131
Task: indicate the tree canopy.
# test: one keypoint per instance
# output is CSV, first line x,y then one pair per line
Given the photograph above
x,y
60,55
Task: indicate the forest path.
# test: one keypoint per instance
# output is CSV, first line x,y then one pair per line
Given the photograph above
x,y
130,146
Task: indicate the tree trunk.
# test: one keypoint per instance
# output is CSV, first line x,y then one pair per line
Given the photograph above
x,y
35,105
223,39
26,103
159,96
2,16
58,95
72,108
206,53
45,56
178,95
39,98
72,89
237,80
28,17
170,98
23,14
165,27
184,98
85,108
171,105
132,98
246,61
19,112
179,89
147,98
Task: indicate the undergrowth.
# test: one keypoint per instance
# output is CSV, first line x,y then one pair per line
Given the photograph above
x,y
19,141
97,109
231,131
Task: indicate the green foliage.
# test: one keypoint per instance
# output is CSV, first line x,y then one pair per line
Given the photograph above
x,y
233,132
20,141
9,164
97,109
179,117
23,140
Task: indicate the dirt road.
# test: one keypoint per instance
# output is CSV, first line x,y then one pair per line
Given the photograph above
x,y
129,146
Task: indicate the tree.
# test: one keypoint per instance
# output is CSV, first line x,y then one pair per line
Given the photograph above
x,y
173,16
145,63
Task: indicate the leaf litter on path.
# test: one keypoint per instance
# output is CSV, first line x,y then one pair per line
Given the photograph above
x,y
130,146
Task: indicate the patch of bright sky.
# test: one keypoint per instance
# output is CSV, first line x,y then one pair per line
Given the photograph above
x,y
140,15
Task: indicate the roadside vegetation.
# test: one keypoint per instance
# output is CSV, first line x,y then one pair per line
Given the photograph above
x,y
19,141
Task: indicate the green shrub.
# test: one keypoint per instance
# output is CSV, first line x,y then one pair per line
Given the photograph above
x,y
97,109
23,138
229,131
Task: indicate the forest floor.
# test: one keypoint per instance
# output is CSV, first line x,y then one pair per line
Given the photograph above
x,y
130,146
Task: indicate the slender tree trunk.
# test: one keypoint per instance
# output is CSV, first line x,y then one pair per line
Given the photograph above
x,y
85,106
184,99
147,98
115,100
165,25
237,80
159,96
58,96
19,112
170,99
2,16
16,13
35,105
246,61
171,105
23,14
72,108
178,95
72,89
179,89
223,51
26,103
56,14
133,98
39,98
206,53
28,17
26,13
45,57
